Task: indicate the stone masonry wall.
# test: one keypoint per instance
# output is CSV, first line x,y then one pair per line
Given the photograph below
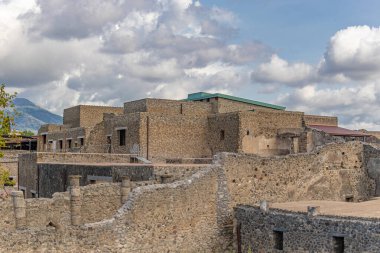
x,y
195,215
302,233
333,172
176,137
180,216
27,166
320,120
225,105
224,132
258,131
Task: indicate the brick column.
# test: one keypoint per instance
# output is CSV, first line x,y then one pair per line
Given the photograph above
x,y
75,200
19,208
125,188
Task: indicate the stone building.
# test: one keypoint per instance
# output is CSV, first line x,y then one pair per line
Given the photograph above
x,y
198,127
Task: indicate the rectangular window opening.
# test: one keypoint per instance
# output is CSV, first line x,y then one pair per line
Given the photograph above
x,y
60,144
69,143
44,138
81,141
222,135
278,240
122,137
338,244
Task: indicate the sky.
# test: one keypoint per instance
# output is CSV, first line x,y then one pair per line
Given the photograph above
x,y
320,57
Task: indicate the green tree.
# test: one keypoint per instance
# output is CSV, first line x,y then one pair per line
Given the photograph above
x,y
7,112
27,133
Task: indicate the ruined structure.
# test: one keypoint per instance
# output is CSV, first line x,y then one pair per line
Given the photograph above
x,y
196,212
199,126
186,176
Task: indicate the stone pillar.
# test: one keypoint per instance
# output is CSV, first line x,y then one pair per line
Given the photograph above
x,y
125,188
75,200
19,208
313,211
264,206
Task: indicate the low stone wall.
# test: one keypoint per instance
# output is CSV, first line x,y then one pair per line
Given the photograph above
x,y
83,158
7,220
332,172
195,214
99,201
256,231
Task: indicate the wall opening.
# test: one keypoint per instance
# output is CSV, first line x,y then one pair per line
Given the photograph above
x,y
81,141
338,244
69,142
121,137
222,135
44,138
278,237
349,198
60,144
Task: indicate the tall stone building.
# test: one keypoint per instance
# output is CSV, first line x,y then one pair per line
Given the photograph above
x,y
197,127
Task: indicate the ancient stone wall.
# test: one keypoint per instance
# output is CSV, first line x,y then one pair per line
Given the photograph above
x,y
301,233
7,221
100,201
87,115
83,158
176,137
334,172
225,105
258,131
224,132
320,120
28,173
9,161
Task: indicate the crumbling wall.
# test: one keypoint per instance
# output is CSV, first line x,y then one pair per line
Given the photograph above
x,y
181,216
7,221
334,172
100,201
302,233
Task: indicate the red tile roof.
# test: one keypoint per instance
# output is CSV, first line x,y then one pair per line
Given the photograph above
x,y
338,131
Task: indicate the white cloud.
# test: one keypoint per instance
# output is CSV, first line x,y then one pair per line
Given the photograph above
x,y
279,71
63,52
353,52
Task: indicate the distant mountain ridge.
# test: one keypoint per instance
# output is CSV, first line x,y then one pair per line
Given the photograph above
x,y
31,116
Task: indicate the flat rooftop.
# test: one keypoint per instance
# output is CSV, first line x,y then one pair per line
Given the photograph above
x,y
366,209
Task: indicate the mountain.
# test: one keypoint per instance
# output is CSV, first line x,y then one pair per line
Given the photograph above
x,y
31,116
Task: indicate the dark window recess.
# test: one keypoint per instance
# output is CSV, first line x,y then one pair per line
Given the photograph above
x,y
247,132
34,195
61,144
23,192
208,100
222,135
278,240
338,244
81,141
44,139
92,181
122,137
69,143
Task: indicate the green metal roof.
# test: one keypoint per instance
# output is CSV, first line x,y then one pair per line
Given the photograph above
x,y
205,95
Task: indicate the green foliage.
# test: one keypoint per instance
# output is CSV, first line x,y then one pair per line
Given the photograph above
x,y
7,112
4,178
27,133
